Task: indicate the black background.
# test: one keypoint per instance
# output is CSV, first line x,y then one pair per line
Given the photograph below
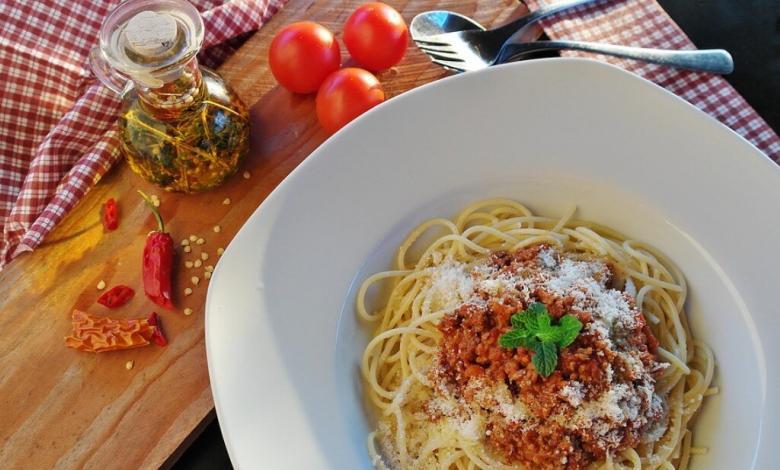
x,y
749,29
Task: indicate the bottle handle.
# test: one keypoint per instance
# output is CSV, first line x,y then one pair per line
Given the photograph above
x,y
108,76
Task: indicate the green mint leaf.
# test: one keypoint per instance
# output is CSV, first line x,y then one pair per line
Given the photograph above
x,y
527,321
529,342
545,358
516,339
512,339
543,321
532,329
531,316
537,308
568,328
518,321
549,334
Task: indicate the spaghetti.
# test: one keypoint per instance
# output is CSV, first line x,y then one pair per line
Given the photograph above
x,y
447,396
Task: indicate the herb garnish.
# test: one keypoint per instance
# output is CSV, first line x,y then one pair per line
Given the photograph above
x,y
533,329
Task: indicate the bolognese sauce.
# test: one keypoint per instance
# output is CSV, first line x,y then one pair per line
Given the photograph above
x,y
601,397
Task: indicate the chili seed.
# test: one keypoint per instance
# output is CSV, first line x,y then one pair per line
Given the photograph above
x,y
210,268
197,263
200,241
193,238
247,175
188,311
207,275
204,256
101,285
217,229
185,242
226,201
129,365
187,249
220,250
195,280
187,291
188,264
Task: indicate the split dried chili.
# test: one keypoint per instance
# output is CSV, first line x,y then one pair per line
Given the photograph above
x,y
158,337
116,296
101,334
158,261
110,215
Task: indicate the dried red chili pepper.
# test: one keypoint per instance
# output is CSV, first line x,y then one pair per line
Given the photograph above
x,y
158,261
110,215
100,334
116,296
157,337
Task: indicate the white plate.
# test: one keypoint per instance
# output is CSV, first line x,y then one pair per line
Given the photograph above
x,y
282,339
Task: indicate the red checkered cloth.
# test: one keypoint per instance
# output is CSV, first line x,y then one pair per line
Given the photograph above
x,y
57,123
643,23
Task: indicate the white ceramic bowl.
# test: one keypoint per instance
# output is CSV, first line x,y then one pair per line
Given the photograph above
x,y
283,342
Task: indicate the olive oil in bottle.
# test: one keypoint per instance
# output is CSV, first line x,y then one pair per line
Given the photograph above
x,y
181,127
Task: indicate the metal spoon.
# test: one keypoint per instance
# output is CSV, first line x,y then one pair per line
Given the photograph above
x,y
466,57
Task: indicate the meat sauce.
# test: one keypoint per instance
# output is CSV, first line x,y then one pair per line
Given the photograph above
x,y
470,359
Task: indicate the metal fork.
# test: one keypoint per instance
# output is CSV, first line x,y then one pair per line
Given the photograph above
x,y
706,60
484,45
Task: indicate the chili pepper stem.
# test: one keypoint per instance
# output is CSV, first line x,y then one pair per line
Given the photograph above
x,y
148,200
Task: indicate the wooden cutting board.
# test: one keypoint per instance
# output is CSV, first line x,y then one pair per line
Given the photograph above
x,y
69,409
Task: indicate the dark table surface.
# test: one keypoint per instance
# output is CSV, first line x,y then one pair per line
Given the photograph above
x,y
749,29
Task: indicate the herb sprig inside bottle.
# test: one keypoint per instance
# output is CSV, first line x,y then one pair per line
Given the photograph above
x,y
532,329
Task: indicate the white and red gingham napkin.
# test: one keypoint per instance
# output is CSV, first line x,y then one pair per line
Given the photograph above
x,y
643,23
57,132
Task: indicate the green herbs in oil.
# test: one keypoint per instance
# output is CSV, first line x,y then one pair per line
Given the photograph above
x,y
188,135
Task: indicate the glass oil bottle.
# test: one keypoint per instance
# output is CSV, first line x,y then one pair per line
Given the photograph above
x,y
181,127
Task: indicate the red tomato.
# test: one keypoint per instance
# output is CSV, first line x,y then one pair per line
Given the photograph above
x,y
376,36
302,55
345,95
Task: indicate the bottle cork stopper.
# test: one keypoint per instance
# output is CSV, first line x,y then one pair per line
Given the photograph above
x,y
150,33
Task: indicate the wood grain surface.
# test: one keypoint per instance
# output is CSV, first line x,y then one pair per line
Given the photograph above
x,y
68,409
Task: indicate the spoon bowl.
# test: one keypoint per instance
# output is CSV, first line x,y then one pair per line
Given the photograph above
x,y
435,22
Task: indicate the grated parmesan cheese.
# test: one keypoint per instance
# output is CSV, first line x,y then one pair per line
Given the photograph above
x,y
498,285
630,288
387,446
498,399
573,393
451,284
513,412
585,282
547,257
459,417
472,429
608,407
572,275
633,364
